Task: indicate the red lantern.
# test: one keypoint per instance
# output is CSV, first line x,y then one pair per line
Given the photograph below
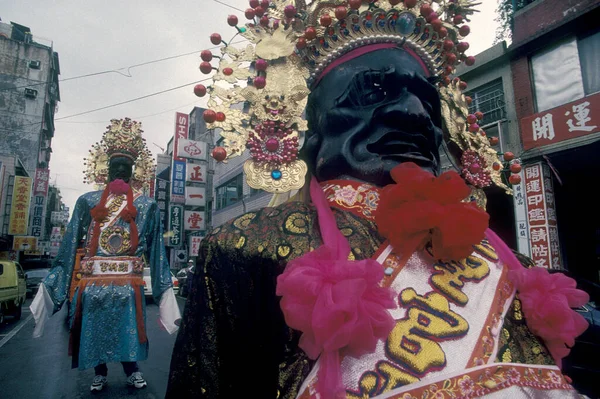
x,y
515,167
514,179
219,154
509,156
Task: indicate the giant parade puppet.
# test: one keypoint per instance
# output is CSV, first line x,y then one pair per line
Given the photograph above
x,y
114,234
375,276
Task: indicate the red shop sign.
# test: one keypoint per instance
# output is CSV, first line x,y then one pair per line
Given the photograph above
x,y
575,119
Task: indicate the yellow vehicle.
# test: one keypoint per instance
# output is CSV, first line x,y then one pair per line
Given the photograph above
x,y
13,289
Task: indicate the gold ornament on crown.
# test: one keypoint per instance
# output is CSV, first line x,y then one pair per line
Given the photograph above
x,y
123,137
260,91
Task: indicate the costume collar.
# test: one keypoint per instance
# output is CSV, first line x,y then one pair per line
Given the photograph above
x,y
359,198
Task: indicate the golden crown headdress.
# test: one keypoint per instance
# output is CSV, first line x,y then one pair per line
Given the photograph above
x,y
122,138
292,42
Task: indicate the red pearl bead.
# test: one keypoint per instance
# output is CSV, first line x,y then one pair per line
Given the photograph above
x,y
494,140
326,20
479,115
220,116
272,145
341,12
205,67
437,24
209,116
254,3
227,71
289,11
261,65
301,43
394,2
426,10
410,3
443,32
310,33
469,100
200,90
215,39
509,156
515,167
448,45
264,21
464,30
259,11
260,82
451,59
471,119
462,47
496,166
232,20
206,55
458,19
473,128
470,61
265,4
355,4
462,85
250,13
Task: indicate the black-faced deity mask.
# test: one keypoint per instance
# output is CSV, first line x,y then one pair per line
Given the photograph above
x,y
120,168
370,114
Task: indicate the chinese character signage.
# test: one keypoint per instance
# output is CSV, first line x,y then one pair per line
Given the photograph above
x,y
19,210
191,149
25,243
182,123
195,196
55,240
575,119
194,220
40,186
178,182
161,196
175,225
541,216
196,173
521,216
195,245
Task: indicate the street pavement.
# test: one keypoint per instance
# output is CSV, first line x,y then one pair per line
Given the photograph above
x,y
41,368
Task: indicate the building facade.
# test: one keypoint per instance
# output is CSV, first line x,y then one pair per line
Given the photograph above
x,y
29,94
541,97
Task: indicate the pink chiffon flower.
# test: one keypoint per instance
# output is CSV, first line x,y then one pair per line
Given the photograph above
x,y
118,187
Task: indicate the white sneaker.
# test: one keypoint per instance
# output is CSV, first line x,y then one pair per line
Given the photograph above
x,y
99,382
136,380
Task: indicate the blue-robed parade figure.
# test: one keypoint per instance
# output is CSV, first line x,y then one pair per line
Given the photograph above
x,y
121,233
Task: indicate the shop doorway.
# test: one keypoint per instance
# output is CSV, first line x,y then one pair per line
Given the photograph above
x,y
578,208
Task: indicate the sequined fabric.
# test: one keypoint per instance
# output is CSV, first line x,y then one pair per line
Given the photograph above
x,y
233,341
109,331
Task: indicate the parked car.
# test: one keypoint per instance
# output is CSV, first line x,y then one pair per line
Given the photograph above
x,y
185,280
13,289
34,279
148,283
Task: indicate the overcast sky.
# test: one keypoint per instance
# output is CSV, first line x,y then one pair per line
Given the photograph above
x,y
100,35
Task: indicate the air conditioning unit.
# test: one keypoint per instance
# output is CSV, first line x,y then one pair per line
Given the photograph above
x,y
31,93
35,64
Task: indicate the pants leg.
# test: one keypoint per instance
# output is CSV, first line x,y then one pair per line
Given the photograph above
x,y
101,369
130,368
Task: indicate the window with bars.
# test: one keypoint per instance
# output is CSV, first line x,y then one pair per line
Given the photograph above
x,y
489,99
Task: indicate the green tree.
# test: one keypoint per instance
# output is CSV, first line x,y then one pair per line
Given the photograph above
x,y
505,17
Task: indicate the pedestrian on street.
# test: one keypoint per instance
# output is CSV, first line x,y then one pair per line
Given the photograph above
x,y
122,234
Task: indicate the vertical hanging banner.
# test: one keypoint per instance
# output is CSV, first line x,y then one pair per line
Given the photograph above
x,y
175,225
182,123
196,173
541,216
19,210
178,182
194,247
40,193
521,216
161,195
